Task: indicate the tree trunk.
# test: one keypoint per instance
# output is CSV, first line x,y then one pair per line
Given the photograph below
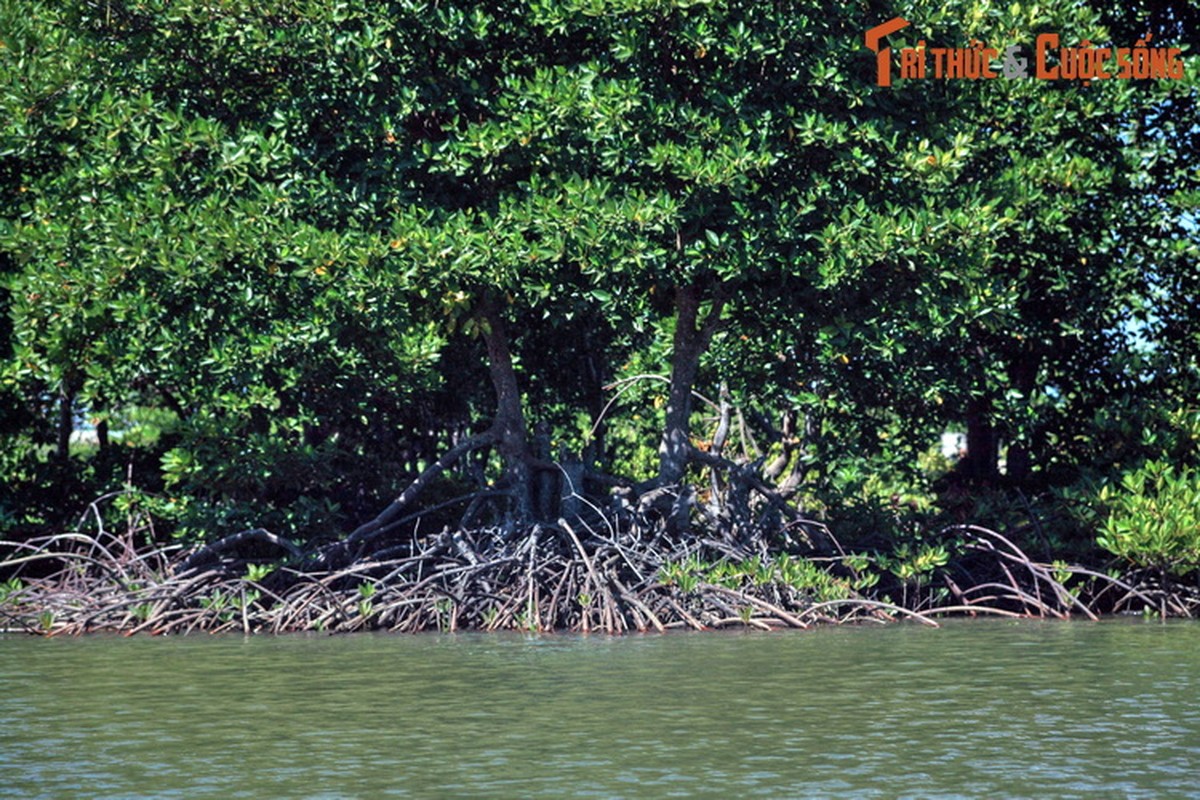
x,y
509,427
983,452
1019,460
66,422
102,433
689,344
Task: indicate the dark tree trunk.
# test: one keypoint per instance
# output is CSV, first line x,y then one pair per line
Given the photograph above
x,y
512,435
983,451
689,344
66,423
595,401
1019,460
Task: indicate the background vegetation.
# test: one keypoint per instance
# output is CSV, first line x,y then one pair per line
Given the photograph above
x,y
263,264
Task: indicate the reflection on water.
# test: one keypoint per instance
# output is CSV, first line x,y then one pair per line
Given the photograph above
x,y
979,709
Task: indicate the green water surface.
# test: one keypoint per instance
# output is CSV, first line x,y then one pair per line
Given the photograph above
x,y
978,709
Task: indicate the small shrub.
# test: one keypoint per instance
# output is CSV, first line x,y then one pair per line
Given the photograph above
x,y
1154,518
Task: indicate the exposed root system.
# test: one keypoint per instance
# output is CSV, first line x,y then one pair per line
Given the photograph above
x,y
588,575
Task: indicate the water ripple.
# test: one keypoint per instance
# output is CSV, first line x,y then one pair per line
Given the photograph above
x,y
972,710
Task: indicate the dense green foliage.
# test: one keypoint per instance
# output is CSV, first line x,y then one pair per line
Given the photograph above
x,y
280,256
1155,518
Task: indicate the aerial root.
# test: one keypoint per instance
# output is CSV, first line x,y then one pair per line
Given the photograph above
x,y
585,575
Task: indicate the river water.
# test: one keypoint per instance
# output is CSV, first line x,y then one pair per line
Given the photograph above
x,y
974,709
